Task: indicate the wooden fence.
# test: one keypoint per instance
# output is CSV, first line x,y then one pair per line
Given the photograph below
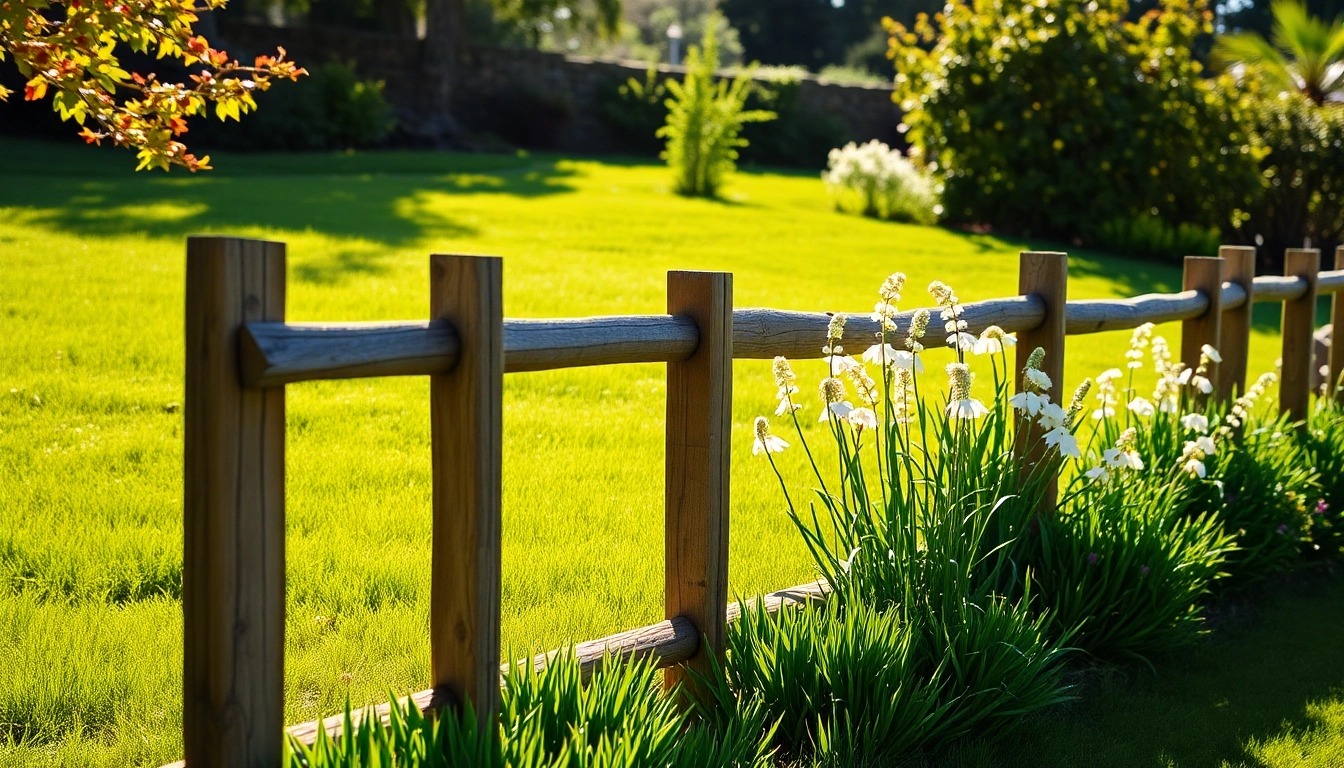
x,y
241,353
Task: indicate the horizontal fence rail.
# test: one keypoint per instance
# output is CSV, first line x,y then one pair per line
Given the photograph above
x,y
668,642
273,354
241,353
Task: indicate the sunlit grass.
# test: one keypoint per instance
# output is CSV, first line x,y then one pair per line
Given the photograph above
x,y
91,293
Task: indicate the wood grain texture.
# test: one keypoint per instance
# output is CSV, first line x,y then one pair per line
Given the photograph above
x,y
1298,328
1337,326
1044,275
276,354
233,571
1099,315
699,425
1275,288
280,353
1234,338
466,427
1205,275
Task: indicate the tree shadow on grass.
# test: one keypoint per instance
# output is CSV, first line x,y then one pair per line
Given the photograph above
x,y
372,198
1204,705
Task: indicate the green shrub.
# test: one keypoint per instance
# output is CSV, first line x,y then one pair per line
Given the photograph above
x,y
1148,237
635,110
704,120
875,180
847,681
332,108
1324,442
1124,568
1302,175
1267,489
797,137
1039,116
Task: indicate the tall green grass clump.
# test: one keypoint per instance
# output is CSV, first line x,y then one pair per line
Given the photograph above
x,y
705,118
1123,568
1244,461
1265,486
924,519
549,719
1134,546
1323,441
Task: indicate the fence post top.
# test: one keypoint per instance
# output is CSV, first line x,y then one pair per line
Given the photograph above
x,y
205,237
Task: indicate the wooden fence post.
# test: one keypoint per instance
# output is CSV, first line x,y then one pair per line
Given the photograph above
x,y
1045,275
1204,274
1299,327
699,426
1337,326
1235,338
466,427
233,525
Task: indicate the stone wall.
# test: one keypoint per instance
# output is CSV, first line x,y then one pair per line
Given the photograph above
x,y
532,98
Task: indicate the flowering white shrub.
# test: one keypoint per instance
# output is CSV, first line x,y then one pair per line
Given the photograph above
x,y
876,180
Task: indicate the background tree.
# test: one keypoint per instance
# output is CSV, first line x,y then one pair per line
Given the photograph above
x,y
820,33
68,50
1048,118
1306,55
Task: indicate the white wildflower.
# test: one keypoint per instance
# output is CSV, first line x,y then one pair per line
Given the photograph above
x,y
1141,407
1064,440
863,418
1196,421
764,440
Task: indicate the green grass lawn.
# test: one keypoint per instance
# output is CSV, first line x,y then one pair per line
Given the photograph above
x,y
91,292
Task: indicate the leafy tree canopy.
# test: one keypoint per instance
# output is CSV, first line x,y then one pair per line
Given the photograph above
x,y
67,49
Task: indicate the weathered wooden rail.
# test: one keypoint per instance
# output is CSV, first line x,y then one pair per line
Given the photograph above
x,y
241,353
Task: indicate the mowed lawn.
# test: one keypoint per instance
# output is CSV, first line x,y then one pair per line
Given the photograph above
x,y
91,298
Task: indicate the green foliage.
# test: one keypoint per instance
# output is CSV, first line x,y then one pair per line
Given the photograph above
x,y
1125,569
1268,488
71,50
840,680
924,519
1148,237
635,110
1039,115
1306,56
549,719
331,109
795,137
1324,443
704,119
1302,174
